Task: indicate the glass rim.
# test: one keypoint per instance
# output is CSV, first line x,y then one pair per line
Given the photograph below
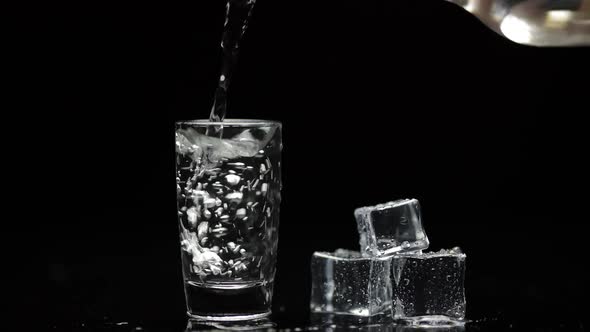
x,y
232,122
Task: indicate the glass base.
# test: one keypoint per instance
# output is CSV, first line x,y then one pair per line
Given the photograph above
x,y
228,318
262,324
229,302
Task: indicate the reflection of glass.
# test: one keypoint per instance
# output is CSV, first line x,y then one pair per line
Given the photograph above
x,y
535,22
228,197
389,327
342,327
457,328
251,325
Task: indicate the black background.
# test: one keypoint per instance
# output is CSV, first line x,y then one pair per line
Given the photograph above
x,y
379,100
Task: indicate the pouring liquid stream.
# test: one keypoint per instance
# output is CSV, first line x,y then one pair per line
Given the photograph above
x,y
237,14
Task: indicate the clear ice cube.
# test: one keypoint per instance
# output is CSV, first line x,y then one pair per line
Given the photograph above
x,y
389,228
346,283
428,288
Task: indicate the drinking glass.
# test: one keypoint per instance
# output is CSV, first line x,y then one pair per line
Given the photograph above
x,y
228,199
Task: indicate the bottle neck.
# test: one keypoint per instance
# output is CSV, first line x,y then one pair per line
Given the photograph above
x,y
482,9
535,22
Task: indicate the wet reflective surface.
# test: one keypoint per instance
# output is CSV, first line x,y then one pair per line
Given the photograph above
x,y
483,324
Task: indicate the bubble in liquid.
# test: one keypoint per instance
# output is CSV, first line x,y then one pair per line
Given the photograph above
x,y
192,216
235,197
233,179
241,213
209,202
202,230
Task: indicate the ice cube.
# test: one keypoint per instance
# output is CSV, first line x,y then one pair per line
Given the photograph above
x,y
388,228
345,283
428,288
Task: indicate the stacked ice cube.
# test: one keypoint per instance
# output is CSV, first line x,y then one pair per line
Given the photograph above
x,y
391,276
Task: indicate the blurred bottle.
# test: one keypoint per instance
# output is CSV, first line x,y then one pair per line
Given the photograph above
x,y
535,22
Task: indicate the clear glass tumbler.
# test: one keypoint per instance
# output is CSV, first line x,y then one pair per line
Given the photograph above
x,y
228,198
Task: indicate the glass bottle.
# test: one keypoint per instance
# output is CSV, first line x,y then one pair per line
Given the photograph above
x,y
535,22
